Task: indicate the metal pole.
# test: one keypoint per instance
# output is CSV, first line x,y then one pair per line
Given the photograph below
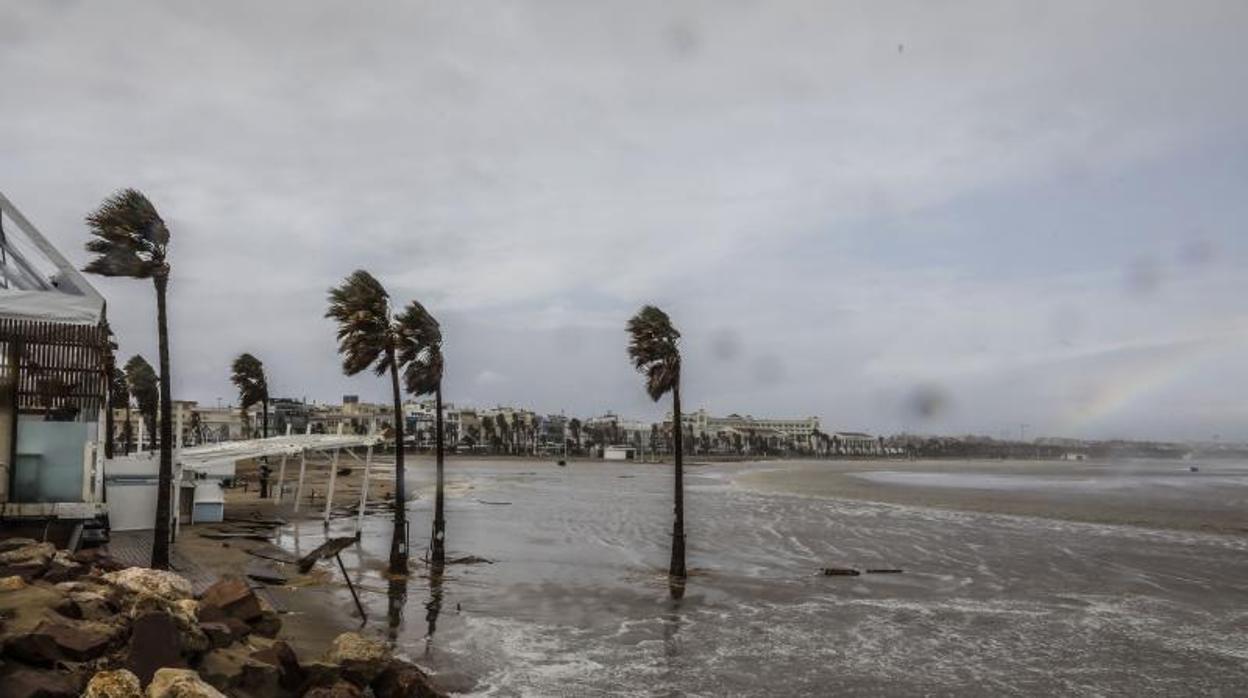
x,y
303,465
350,586
281,470
333,478
368,462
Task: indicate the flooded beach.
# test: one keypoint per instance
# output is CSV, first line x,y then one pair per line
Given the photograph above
x,y
574,601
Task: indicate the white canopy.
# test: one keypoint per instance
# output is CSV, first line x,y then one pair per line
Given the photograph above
x,y
218,460
50,306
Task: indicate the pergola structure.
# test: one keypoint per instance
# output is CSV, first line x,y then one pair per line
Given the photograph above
x,y
217,461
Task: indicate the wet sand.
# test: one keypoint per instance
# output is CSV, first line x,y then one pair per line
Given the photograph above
x,y
1151,494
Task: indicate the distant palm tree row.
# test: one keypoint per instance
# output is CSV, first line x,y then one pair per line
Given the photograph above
x,y
129,239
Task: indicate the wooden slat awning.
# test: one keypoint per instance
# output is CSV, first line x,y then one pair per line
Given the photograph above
x,y
59,366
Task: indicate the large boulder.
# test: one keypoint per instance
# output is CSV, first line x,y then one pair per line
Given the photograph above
x,y
114,684
90,605
338,689
52,641
8,544
362,660
402,680
180,683
32,683
12,583
148,582
154,644
291,675
235,671
62,568
27,552
231,597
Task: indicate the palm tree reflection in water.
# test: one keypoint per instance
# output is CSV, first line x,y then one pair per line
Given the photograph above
x,y
397,600
671,646
434,607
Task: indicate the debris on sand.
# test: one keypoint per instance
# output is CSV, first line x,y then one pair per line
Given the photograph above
x,y
325,550
840,572
497,504
884,570
469,560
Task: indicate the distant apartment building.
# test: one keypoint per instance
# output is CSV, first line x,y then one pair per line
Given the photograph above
x,y
748,433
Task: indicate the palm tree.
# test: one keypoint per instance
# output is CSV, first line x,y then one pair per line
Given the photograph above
x,y
420,351
574,425
144,387
132,240
368,336
247,374
118,398
654,348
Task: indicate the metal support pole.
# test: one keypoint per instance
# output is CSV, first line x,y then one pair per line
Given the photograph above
x,y
350,586
368,462
303,466
281,471
333,478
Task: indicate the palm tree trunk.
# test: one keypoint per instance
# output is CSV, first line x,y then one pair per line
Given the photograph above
x,y
677,569
109,425
164,524
439,518
127,428
398,541
264,405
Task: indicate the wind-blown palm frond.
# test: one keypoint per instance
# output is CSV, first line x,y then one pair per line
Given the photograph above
x,y
365,336
130,239
654,348
247,374
420,349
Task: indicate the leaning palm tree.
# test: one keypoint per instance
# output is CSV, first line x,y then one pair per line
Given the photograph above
x,y
368,336
654,348
132,240
247,374
420,351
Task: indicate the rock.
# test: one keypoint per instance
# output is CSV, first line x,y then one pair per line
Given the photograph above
x,y
402,680
218,634
14,543
62,567
114,684
91,605
362,660
233,597
51,641
28,569
148,582
180,683
233,670
269,624
26,608
32,683
154,643
12,583
25,553
280,655
338,689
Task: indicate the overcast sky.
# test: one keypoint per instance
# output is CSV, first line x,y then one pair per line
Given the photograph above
x,y
942,217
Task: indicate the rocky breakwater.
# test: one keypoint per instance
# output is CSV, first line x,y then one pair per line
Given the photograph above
x,y
79,625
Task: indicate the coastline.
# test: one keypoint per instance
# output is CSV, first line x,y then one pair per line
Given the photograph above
x,y
1176,510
